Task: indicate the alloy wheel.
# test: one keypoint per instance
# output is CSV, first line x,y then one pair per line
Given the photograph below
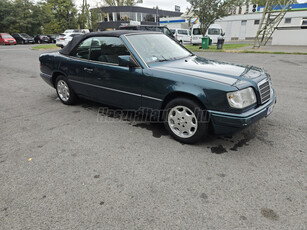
x,y
182,121
63,90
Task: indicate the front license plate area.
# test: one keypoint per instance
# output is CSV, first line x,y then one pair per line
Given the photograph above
x,y
269,109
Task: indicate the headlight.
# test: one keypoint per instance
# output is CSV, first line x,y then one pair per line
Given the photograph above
x,y
241,98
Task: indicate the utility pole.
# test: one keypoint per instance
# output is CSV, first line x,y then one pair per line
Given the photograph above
x,y
85,14
271,17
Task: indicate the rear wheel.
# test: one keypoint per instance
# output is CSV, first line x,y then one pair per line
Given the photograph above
x,y
64,91
185,120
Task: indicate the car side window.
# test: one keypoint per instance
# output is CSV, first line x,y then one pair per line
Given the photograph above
x,y
83,50
107,49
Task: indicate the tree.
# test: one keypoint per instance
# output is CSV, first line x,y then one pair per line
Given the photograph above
x,y
122,2
63,15
210,10
20,16
95,17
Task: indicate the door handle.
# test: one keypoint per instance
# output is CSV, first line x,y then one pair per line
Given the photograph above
x,y
88,70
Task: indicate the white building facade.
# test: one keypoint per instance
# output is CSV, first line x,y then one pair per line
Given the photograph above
x,y
292,30
245,26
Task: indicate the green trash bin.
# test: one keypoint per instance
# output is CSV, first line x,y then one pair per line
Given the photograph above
x,y
205,42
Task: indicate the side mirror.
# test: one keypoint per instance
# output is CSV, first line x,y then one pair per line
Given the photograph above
x,y
126,60
222,34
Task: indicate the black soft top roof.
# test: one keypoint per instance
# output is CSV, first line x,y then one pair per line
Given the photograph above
x,y
116,33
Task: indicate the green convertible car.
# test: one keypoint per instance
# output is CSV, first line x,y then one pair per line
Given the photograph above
x,y
135,70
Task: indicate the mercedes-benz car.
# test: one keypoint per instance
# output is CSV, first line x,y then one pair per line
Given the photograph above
x,y
135,70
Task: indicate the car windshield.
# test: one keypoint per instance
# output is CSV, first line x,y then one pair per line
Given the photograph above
x,y
7,36
157,47
25,35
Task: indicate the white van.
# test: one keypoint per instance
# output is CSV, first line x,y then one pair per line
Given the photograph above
x,y
214,32
181,35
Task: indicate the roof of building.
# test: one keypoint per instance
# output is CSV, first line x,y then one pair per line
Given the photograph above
x,y
110,9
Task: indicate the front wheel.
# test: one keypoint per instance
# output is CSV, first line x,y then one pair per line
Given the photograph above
x,y
64,91
185,120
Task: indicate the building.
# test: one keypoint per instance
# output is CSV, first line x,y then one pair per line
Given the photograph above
x,y
114,16
292,30
245,27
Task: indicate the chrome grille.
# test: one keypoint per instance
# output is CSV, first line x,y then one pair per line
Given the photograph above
x,y
265,90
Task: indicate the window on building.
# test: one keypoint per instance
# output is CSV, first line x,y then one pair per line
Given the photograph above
x,y
148,18
287,20
139,18
243,22
304,22
256,22
111,17
105,17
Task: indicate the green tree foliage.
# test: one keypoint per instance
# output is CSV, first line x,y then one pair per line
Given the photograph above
x,y
210,10
47,16
122,2
20,16
95,18
61,16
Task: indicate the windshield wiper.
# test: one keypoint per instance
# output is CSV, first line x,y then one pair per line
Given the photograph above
x,y
162,60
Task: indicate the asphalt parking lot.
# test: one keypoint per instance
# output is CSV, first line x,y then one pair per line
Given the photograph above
x,y
61,169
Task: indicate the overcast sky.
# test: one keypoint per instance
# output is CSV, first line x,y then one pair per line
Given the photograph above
x,y
162,4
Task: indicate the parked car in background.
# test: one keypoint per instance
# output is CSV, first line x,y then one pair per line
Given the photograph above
x,y
64,39
182,35
190,94
214,32
52,37
7,39
23,38
41,39
70,31
162,29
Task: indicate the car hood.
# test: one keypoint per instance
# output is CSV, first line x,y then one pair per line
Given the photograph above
x,y
227,73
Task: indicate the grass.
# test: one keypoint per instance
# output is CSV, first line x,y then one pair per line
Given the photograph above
x,y
233,48
213,48
45,47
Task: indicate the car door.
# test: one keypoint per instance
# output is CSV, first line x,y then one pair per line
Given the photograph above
x,y
77,67
110,82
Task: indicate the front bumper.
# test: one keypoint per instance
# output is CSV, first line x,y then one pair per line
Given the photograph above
x,y
10,42
227,123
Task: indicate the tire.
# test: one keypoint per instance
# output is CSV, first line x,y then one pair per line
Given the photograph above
x,y
64,91
190,115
